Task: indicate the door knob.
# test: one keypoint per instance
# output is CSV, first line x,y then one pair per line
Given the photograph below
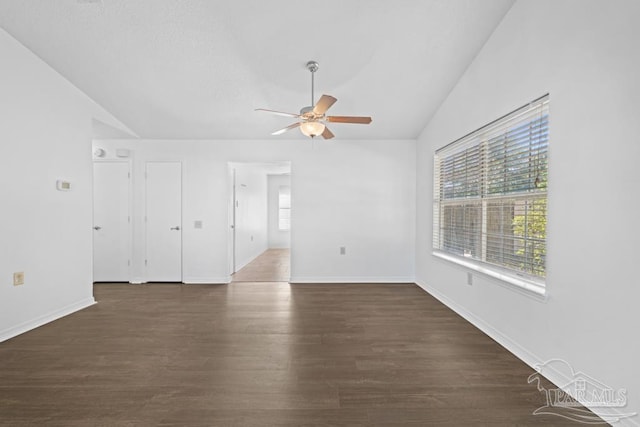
x,y
177,227
97,228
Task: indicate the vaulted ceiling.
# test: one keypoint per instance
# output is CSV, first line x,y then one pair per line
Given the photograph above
x,y
197,69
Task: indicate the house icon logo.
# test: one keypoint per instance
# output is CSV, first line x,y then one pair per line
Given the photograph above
x,y
569,400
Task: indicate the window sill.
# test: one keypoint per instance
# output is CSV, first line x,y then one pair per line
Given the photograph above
x,y
529,286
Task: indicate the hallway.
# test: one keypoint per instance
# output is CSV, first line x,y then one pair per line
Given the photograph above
x,y
273,265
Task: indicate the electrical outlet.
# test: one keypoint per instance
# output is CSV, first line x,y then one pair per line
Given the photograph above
x,y
18,278
343,250
469,279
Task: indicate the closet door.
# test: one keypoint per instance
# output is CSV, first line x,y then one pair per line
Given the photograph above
x,y
164,221
111,222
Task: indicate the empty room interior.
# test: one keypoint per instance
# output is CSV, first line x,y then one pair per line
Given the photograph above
x,y
374,213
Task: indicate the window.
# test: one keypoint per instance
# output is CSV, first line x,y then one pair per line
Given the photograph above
x,y
284,208
490,198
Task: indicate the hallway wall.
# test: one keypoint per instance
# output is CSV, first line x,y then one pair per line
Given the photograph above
x,y
251,227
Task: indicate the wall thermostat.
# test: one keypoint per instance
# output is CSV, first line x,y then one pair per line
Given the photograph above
x,y
63,185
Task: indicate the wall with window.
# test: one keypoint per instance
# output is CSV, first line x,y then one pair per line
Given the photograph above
x,y
585,55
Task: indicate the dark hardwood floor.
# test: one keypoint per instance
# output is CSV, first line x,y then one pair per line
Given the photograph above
x,y
268,354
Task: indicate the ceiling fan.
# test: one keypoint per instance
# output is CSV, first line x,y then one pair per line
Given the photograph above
x,y
313,119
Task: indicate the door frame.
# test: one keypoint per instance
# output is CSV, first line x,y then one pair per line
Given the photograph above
x,y
231,219
232,201
130,235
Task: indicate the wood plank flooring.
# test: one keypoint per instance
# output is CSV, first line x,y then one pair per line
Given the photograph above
x,y
268,354
273,265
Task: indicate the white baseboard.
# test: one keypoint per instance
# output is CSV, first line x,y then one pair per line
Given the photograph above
x,y
528,357
351,279
206,280
42,320
521,352
193,280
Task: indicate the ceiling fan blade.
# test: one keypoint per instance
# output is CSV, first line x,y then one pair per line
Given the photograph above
x,y
327,134
283,130
279,113
349,119
323,104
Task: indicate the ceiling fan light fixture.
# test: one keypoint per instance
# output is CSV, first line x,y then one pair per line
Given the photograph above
x,y
312,118
312,128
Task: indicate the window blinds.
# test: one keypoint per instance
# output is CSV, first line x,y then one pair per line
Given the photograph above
x,y
490,193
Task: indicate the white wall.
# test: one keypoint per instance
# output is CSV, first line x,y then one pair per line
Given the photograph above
x,y
358,194
251,226
277,238
586,55
45,135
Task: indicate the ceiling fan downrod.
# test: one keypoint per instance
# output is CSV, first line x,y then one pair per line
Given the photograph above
x,y
313,67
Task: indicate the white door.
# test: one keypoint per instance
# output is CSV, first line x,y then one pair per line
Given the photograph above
x,y
111,222
164,221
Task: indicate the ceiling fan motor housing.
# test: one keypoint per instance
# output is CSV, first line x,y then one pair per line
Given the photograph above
x,y
306,110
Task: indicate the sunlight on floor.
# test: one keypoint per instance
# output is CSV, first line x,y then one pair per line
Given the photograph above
x,y
273,265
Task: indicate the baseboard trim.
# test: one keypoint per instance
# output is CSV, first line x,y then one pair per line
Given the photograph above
x,y
556,377
47,318
514,347
223,280
325,279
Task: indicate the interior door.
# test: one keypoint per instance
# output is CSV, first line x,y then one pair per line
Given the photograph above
x,y
111,222
164,221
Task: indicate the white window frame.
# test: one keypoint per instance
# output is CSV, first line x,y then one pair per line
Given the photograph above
x,y
472,192
284,206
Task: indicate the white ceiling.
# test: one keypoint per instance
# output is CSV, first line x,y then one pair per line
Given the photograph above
x,y
196,69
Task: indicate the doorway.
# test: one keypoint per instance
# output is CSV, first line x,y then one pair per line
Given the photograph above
x,y
260,221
